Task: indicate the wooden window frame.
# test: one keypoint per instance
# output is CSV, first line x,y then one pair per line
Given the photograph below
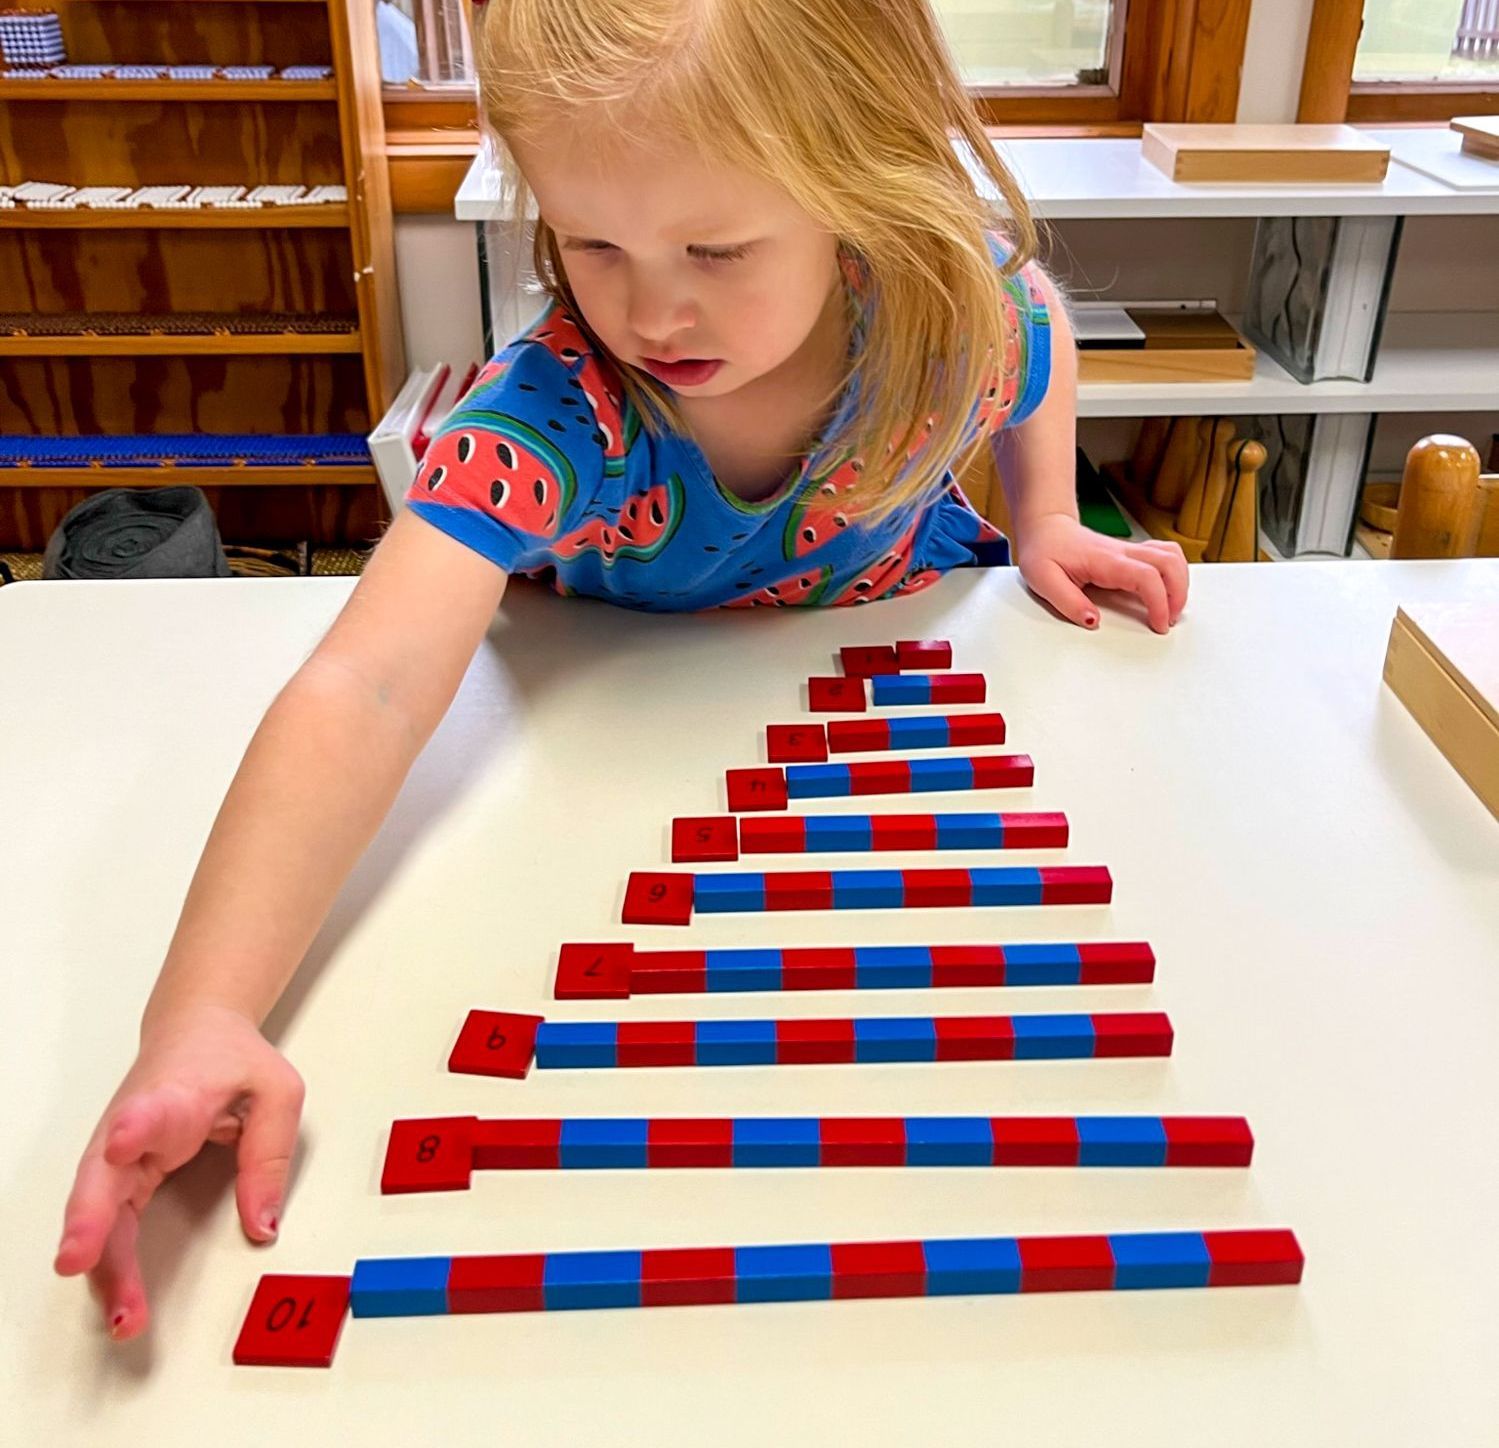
x,y
1180,60
1329,93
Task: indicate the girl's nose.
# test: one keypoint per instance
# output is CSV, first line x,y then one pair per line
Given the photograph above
x,y
658,315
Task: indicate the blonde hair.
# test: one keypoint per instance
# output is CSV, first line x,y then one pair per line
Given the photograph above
x,y
851,107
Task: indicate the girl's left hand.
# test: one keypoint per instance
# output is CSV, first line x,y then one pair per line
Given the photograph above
x,y
1058,557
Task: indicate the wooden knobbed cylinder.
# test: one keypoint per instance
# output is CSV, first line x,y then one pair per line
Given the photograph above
x,y
1440,501
1236,532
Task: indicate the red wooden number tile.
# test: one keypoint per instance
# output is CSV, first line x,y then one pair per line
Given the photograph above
x,y
674,1141
796,743
1066,1264
879,1269
293,1322
1208,1141
497,1284
964,731
682,1276
593,973
1116,963
1035,1141
957,965
938,887
432,1154
518,1145
773,834
829,968
495,1043
920,654
1132,1033
814,1042
714,838
861,662
863,1141
799,890
751,789
1003,771
669,972
850,736
1076,885
1253,1258
975,1038
658,899
837,695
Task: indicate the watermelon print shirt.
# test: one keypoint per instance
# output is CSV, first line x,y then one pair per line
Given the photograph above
x,y
546,469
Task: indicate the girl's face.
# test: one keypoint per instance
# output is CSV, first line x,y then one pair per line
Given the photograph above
x,y
675,259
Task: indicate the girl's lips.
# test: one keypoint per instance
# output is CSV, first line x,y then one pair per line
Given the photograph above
x,y
690,372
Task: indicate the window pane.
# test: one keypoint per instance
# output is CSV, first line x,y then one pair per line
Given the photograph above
x,y
997,42
424,42
1429,40
1031,42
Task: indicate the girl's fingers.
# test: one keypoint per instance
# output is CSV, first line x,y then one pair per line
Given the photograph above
x,y
1115,570
116,1279
99,1192
1171,563
266,1145
1052,582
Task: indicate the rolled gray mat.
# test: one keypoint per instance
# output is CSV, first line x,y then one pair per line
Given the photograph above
x,y
138,533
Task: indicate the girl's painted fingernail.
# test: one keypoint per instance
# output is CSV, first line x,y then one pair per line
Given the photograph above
x,y
269,1222
1090,620
116,1323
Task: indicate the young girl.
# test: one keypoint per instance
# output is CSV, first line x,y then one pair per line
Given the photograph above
x,y
780,316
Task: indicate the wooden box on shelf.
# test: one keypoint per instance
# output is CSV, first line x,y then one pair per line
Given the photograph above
x,y
1179,346
1269,154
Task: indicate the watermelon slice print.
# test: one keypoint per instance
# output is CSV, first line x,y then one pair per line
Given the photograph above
x,y
641,529
503,467
881,576
799,588
818,515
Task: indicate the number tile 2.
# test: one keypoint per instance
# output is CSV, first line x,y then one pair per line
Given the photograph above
x,y
293,1322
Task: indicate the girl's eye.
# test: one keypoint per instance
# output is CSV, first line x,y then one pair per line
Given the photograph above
x,y
719,254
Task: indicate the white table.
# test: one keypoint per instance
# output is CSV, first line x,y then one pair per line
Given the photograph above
x,y
1321,888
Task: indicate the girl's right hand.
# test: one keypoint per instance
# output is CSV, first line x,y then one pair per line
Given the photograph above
x,y
204,1073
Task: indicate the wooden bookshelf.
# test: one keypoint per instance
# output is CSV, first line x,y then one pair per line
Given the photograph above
x,y
298,261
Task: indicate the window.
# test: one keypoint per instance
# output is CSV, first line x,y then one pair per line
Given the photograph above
x,y
1034,43
999,44
1426,42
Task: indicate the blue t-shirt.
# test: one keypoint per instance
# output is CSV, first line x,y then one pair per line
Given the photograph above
x,y
547,470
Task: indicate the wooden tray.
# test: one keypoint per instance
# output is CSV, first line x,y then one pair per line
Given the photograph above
x,y
1443,665
1269,154
1179,347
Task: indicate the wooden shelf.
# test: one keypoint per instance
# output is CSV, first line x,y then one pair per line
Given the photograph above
x,y
199,344
207,218
106,89
342,476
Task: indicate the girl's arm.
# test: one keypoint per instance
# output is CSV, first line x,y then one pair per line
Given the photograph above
x,y
317,779
1057,556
